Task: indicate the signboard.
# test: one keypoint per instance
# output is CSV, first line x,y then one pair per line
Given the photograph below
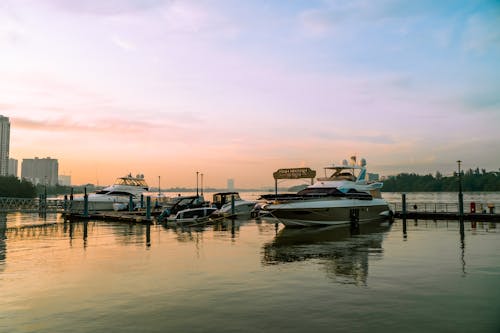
x,y
294,173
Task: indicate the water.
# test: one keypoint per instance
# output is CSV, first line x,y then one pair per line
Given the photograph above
x,y
247,276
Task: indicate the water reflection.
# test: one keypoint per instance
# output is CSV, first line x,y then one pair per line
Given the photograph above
x,y
221,228
3,245
344,252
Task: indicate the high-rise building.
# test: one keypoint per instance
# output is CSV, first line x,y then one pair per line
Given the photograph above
x,y
230,184
65,180
4,145
43,171
12,169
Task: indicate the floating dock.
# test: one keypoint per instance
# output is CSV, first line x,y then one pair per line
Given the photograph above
x,y
128,217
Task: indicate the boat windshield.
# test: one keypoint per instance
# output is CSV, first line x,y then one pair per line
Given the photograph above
x,y
321,191
120,193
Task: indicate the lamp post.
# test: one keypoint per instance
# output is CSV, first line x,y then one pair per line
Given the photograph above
x,y
159,187
460,194
197,183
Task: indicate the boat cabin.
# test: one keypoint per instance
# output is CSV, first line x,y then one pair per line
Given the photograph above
x,y
221,198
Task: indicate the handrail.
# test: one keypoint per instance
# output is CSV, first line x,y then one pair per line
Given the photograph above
x,y
442,207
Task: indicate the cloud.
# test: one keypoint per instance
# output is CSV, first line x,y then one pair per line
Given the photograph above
x,y
482,101
107,7
482,32
109,125
122,44
6,106
11,30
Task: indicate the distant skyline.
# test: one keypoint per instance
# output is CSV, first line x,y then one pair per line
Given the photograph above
x,y
237,90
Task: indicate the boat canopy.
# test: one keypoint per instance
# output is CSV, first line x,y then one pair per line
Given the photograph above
x,y
131,181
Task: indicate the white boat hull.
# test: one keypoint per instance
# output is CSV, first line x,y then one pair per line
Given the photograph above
x,y
98,203
192,215
328,212
241,208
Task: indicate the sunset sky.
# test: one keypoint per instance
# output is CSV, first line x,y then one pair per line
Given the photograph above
x,y
238,89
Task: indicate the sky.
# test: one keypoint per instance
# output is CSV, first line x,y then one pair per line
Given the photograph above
x,y
239,89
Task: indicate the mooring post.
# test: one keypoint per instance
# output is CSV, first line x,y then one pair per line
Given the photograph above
x,y
85,204
460,194
142,200
148,208
232,204
403,199
130,203
71,200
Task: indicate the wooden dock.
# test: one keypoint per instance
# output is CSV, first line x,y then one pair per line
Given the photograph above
x,y
128,217
140,217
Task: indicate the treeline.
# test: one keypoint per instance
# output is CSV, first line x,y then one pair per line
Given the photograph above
x,y
13,187
472,180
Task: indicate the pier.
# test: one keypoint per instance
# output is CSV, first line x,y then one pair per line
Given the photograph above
x,y
112,216
487,212
422,215
446,211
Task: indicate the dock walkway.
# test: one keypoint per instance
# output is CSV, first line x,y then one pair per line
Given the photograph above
x,y
120,216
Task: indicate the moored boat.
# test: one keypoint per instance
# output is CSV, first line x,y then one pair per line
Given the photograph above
x,y
116,195
230,204
181,203
344,197
192,215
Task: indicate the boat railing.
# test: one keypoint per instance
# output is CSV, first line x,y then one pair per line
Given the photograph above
x,y
30,204
444,207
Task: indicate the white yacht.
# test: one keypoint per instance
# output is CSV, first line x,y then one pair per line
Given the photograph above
x,y
344,197
117,194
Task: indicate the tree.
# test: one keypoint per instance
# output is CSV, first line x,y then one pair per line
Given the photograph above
x,y
12,187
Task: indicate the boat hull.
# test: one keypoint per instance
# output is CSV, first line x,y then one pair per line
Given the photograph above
x,y
99,203
329,212
192,215
241,208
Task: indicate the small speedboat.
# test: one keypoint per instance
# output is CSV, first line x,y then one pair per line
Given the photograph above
x,y
192,215
182,203
230,204
238,208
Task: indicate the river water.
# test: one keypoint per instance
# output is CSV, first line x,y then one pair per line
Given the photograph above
x,y
248,276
